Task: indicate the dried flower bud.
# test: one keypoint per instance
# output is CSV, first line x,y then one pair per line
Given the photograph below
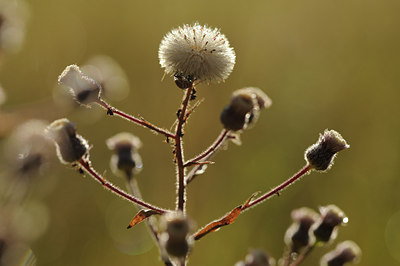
x,y
263,101
345,252
125,158
257,257
197,51
298,235
70,146
110,75
244,108
27,149
175,237
321,154
326,228
84,89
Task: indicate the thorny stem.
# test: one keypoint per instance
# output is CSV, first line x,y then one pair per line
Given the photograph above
x,y
279,188
179,150
112,110
206,155
88,168
210,150
134,189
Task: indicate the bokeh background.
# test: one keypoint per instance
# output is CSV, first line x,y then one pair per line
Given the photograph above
x,y
326,64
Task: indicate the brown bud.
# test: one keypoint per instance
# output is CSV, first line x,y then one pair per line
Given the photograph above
x,y
70,146
175,236
298,234
257,257
321,154
326,228
84,89
345,252
125,159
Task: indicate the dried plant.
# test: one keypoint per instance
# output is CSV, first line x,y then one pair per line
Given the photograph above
x,y
195,54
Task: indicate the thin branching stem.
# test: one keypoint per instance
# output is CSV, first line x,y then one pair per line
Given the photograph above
x,y
179,150
223,136
301,258
278,189
114,111
210,150
134,189
89,169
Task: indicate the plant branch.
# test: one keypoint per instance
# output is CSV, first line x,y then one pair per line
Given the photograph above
x,y
301,258
134,189
276,190
140,121
210,150
179,150
224,135
88,169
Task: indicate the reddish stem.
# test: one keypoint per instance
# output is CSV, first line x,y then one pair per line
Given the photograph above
x,y
112,110
210,150
86,166
277,189
179,150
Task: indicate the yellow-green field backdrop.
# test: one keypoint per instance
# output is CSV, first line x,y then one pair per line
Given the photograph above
x,y
325,64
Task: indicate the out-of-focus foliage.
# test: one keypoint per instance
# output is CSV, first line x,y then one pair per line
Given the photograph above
x,y
325,64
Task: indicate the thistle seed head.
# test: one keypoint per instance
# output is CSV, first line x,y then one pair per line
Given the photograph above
x,y
197,51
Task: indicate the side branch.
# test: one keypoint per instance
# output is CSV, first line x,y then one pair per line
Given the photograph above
x,y
88,169
276,190
179,150
112,110
210,150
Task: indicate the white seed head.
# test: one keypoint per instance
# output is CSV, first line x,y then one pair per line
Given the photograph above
x,y
197,51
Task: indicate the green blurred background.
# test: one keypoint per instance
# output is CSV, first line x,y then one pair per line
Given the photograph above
x,y
325,64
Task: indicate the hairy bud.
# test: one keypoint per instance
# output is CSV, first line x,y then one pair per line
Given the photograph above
x,y
84,89
125,158
298,235
70,146
345,252
244,108
326,228
257,257
175,237
321,154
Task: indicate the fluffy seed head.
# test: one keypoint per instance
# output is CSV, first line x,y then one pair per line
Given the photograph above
x,y
70,146
197,51
321,154
345,252
84,89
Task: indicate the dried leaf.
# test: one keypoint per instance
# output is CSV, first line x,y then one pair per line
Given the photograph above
x,y
140,216
226,220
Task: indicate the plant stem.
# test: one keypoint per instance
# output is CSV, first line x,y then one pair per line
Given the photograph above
x,y
179,150
206,155
210,150
277,189
301,258
112,110
88,168
134,189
